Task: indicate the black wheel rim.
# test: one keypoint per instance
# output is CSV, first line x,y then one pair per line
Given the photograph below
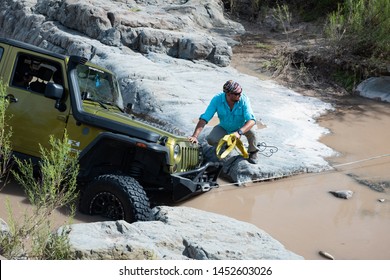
x,y
107,205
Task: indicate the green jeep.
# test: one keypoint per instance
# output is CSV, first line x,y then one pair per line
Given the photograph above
x,y
124,162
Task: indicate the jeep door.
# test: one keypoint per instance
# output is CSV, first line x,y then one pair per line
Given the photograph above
x,y
33,117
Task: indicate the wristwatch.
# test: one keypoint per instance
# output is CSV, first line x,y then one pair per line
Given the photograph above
x,y
240,132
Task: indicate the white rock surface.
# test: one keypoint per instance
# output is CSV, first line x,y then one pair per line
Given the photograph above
x,y
177,233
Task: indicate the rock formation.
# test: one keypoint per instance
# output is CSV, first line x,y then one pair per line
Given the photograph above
x,y
181,29
177,233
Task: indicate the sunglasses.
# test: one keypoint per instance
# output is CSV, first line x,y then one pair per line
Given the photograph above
x,y
236,94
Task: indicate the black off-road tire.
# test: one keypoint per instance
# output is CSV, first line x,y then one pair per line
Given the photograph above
x,y
117,198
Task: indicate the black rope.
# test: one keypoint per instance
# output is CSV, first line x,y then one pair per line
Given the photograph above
x,y
266,150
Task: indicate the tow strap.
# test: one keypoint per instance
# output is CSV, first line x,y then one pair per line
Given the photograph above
x,y
230,141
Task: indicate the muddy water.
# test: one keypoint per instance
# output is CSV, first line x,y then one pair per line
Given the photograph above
x,y
13,195
301,213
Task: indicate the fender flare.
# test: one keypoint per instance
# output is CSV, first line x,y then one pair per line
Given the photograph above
x,y
109,139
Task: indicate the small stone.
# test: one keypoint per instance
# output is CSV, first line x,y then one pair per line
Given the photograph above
x,y
346,194
326,255
381,200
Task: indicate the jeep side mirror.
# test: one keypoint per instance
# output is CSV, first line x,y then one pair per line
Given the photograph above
x,y
55,91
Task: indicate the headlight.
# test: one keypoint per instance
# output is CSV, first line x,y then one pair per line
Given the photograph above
x,y
176,151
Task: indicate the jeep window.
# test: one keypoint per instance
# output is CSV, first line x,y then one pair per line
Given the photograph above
x,y
98,86
33,73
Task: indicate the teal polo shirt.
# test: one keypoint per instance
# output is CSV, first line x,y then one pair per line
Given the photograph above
x,y
230,120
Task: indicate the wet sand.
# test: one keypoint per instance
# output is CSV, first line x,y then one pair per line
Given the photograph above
x,y
301,213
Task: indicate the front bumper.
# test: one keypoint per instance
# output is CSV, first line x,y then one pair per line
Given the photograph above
x,y
190,183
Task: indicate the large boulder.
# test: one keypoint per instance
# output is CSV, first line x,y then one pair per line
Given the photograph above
x,y
375,88
177,233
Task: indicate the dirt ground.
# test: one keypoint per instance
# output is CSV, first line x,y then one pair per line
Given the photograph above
x,y
288,58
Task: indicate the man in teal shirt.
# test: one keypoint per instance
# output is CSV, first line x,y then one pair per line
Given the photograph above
x,y
235,115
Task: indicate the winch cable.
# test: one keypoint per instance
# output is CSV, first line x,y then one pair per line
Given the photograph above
x,y
362,160
333,169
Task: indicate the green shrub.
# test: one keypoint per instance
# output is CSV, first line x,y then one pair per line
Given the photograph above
x,y
58,176
5,136
361,27
283,16
346,79
53,246
54,188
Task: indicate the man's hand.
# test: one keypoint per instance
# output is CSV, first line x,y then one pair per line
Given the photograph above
x,y
238,136
199,127
193,139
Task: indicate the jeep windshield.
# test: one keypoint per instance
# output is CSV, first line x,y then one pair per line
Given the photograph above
x,y
99,86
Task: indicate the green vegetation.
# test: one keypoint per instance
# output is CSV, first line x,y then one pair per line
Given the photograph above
x,y
311,10
283,16
280,64
54,188
347,79
308,10
358,32
5,136
361,27
57,184
263,46
235,7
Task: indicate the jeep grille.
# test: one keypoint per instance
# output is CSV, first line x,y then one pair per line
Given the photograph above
x,y
190,159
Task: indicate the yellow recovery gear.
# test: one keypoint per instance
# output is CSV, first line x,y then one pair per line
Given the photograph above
x,y
231,142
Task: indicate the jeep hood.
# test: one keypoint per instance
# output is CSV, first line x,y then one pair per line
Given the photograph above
x,y
112,113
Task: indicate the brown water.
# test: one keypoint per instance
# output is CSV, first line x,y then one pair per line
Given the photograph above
x,y
298,211
301,213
